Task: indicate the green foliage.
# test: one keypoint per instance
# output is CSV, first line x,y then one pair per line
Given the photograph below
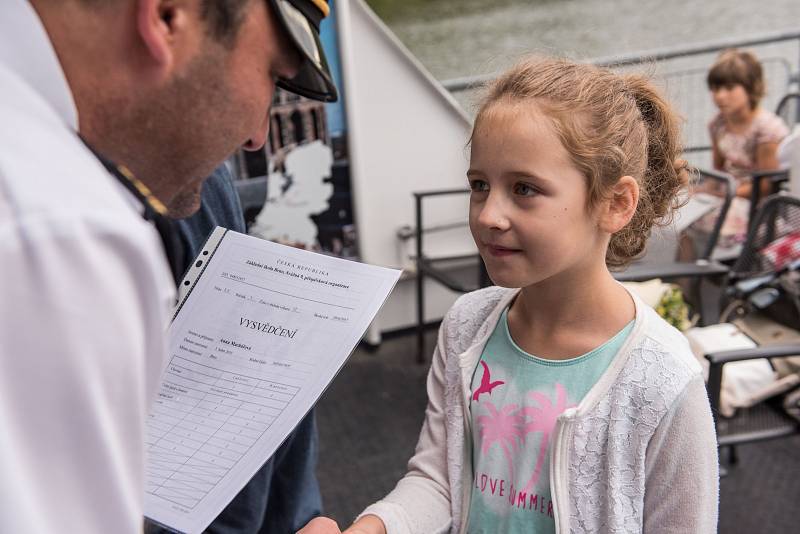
x,y
674,309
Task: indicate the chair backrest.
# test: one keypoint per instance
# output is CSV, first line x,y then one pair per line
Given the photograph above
x,y
722,185
789,109
789,158
773,240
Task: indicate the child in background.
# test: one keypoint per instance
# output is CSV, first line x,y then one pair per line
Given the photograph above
x,y
558,402
744,136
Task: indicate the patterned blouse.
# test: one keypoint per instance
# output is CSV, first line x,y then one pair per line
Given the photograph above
x,y
738,149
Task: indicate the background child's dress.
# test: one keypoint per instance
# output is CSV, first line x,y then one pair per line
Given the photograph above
x,y
738,151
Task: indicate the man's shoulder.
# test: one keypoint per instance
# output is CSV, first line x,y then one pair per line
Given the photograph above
x,y
41,151
46,172
53,191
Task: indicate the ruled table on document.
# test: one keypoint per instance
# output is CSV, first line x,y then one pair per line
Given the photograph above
x,y
203,421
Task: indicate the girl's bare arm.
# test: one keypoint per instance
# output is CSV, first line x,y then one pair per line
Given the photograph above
x,y
766,160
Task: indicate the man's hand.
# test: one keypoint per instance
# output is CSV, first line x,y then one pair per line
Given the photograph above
x,y
320,525
369,524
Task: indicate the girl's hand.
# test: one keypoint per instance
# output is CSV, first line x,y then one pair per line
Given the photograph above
x,y
320,525
369,524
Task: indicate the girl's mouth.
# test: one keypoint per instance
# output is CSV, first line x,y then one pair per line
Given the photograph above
x,y
498,251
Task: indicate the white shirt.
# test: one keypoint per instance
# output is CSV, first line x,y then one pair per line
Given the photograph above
x,y
84,300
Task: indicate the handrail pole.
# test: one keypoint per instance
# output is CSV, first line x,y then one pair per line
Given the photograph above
x,y
470,82
420,280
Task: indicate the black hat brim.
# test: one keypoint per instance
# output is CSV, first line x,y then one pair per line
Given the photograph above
x,y
313,79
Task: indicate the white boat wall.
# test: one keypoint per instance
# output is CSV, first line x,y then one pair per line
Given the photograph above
x,y
406,133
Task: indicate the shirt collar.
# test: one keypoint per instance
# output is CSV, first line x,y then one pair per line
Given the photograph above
x,y
26,50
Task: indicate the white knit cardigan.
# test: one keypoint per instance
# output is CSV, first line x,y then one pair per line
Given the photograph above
x,y
638,454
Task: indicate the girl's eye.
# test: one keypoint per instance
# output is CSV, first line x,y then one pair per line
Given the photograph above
x,y
478,186
525,190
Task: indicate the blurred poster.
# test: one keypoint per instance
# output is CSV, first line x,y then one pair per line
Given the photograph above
x,y
307,197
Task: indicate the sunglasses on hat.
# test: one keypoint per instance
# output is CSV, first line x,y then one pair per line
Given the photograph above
x,y
301,19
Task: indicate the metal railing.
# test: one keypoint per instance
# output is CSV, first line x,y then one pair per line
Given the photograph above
x,y
681,70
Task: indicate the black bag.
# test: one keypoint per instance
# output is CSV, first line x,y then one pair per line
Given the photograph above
x,y
786,308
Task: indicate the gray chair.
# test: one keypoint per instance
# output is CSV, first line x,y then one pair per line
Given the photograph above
x,y
777,180
462,274
788,109
760,286
702,267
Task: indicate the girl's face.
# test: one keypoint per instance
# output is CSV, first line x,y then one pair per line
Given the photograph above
x,y
731,100
528,208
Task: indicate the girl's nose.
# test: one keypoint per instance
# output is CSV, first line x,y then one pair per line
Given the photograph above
x,y
493,214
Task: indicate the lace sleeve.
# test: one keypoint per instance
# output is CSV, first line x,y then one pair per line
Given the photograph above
x,y
681,468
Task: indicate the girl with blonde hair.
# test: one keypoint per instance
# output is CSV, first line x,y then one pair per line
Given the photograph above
x,y
558,401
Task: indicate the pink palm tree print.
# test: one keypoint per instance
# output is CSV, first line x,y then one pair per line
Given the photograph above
x,y
504,427
543,419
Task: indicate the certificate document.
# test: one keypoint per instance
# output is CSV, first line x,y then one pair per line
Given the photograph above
x,y
259,333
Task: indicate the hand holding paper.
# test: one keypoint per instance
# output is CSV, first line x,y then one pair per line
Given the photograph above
x,y
258,336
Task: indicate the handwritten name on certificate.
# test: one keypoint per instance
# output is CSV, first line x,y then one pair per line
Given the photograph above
x,y
262,332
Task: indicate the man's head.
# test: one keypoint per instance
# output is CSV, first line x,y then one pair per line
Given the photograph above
x,y
170,88
223,18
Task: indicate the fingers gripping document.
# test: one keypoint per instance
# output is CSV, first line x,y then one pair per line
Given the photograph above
x,y
259,333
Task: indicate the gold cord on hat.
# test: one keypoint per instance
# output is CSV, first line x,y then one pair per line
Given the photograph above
x,y
322,5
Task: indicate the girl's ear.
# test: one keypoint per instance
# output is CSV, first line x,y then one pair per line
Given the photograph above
x,y
618,209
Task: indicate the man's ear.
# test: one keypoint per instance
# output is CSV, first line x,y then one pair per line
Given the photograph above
x,y
620,206
159,23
